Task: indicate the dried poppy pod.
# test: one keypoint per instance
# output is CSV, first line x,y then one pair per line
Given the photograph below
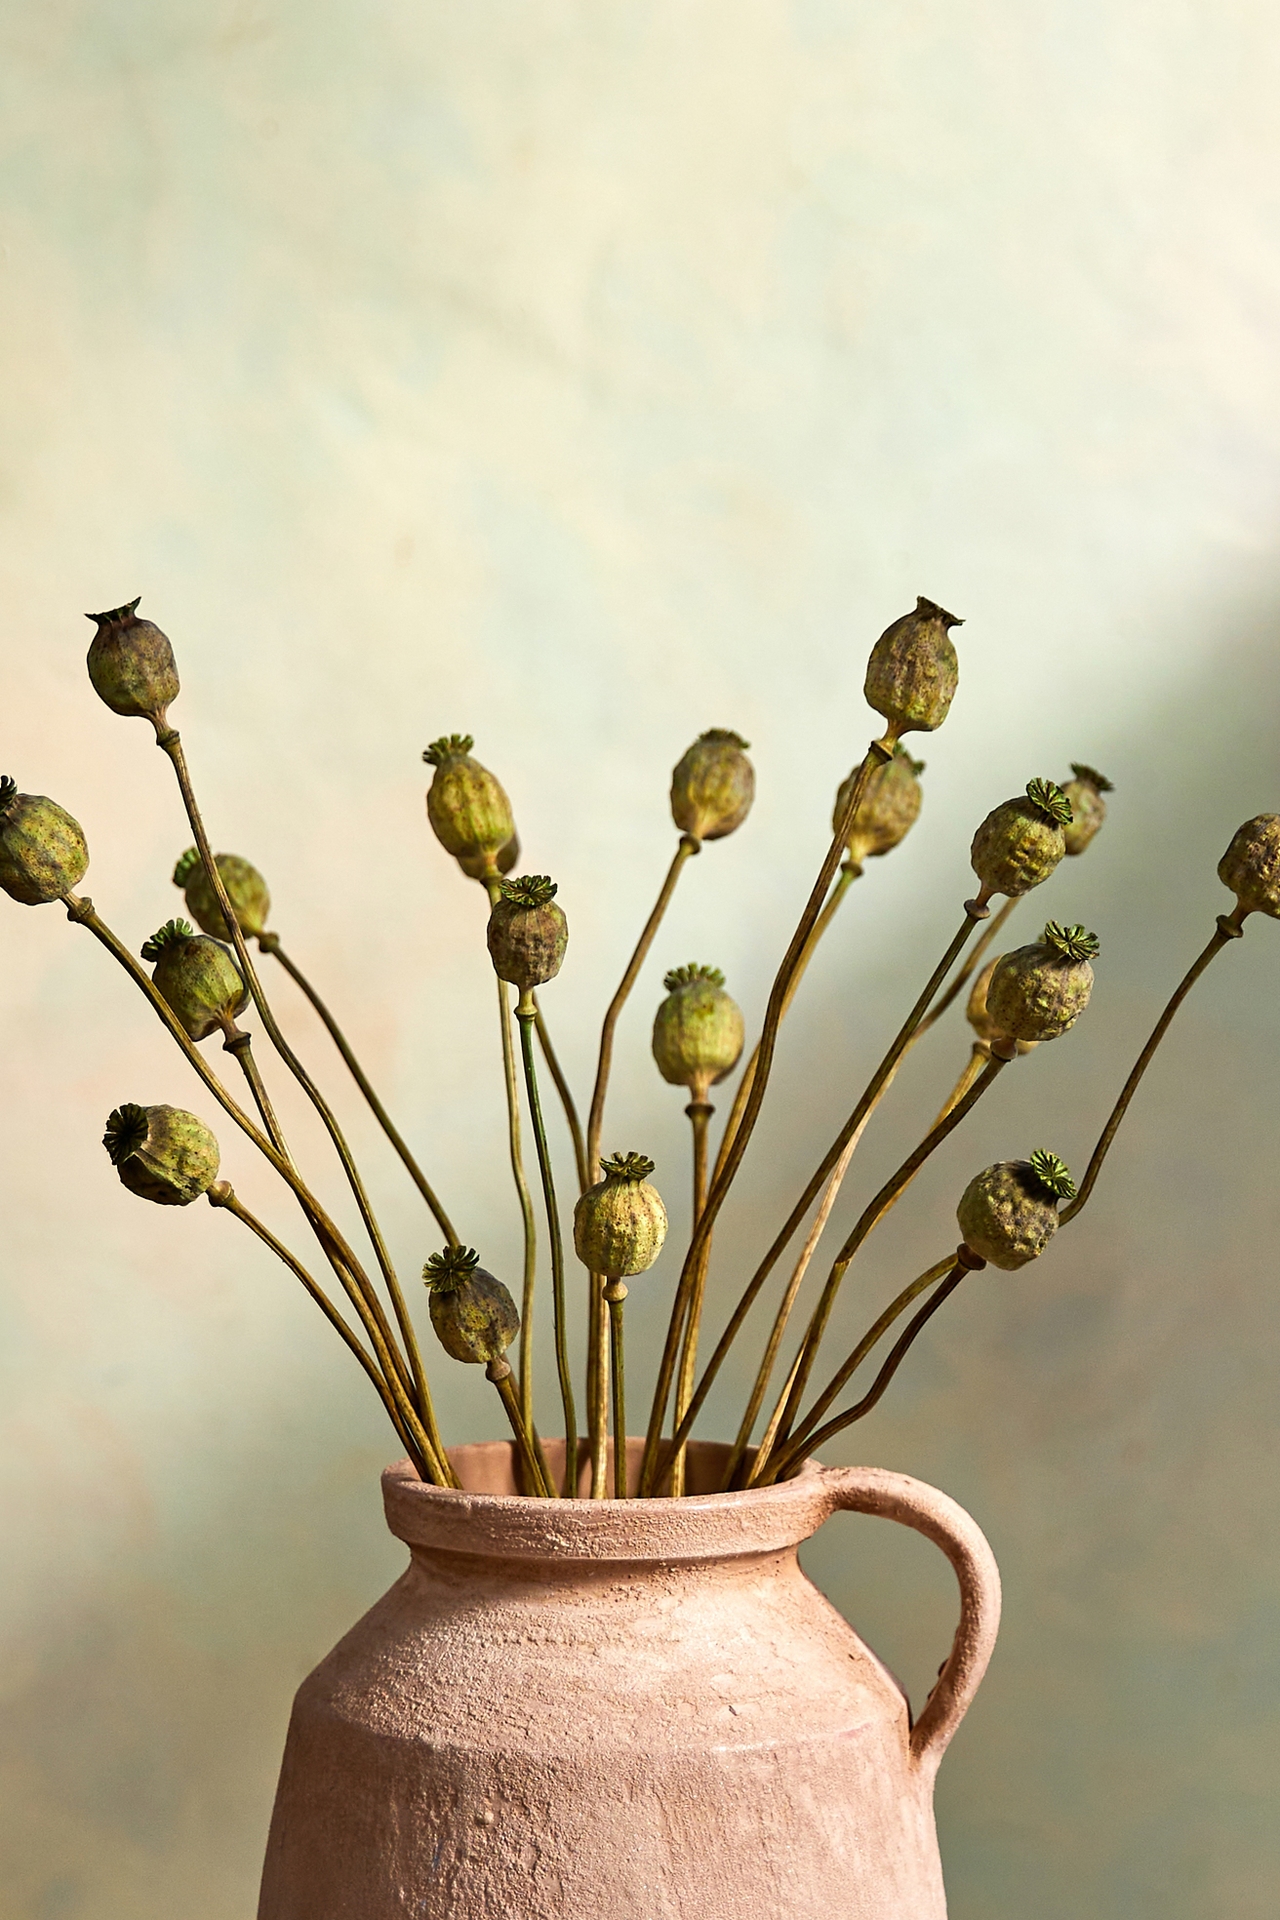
x,y
162,1153
698,1031
246,890
198,978
713,785
619,1225
1037,992
913,670
131,665
527,932
1021,841
979,1017
42,849
1009,1213
469,812
474,1315
1083,795
1251,866
889,808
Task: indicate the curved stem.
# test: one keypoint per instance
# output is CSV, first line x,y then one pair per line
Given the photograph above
x,y
566,1098
270,943
597,1362
699,1112
168,739
526,1014
499,1371
223,1195
849,872
872,1093
800,1452
868,1220
528,1224
871,1338
239,1044
81,912
878,754
1229,927
972,962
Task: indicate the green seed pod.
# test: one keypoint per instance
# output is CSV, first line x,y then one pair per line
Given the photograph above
x,y
1088,808
42,849
913,671
246,890
1251,865
1021,842
527,932
197,977
131,664
1009,1213
698,1031
713,785
888,810
619,1225
1037,992
472,1312
162,1153
469,812
978,1016
478,866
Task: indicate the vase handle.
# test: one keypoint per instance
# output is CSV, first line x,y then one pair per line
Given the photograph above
x,y
895,1496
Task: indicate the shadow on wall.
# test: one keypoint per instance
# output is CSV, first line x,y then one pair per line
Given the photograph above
x,y
1111,1419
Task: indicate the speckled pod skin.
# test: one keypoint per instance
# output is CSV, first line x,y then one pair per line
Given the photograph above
x,y
978,1015
200,980
1006,1216
476,1320
246,890
480,866
889,809
1251,865
469,811
697,1035
913,671
1016,847
622,1710
131,664
712,786
527,944
1088,811
1036,994
42,849
619,1226
174,1162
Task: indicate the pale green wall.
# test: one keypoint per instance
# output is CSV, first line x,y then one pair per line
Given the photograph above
x,y
584,376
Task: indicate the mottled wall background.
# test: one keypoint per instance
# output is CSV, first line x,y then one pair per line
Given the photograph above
x,y
584,376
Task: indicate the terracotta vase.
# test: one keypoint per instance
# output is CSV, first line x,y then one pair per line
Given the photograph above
x,y
631,1710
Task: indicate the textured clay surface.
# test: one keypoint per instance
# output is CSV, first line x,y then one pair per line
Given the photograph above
x,y
620,1711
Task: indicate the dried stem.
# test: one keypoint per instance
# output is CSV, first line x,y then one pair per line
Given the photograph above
x,y
168,739
615,1294
240,1045
222,1195
527,1014
801,1451
270,943
971,964
566,1098
528,1224
699,1112
879,753
1229,927
531,1457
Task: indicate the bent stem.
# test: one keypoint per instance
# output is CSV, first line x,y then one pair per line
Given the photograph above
x,y
800,1452
851,1131
615,1294
699,1112
168,739
531,1457
597,1362
566,1098
869,1219
1229,928
528,1224
270,943
879,753
526,1014
221,1194
972,962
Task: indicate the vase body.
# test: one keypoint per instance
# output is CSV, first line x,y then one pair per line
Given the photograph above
x,y
635,1710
